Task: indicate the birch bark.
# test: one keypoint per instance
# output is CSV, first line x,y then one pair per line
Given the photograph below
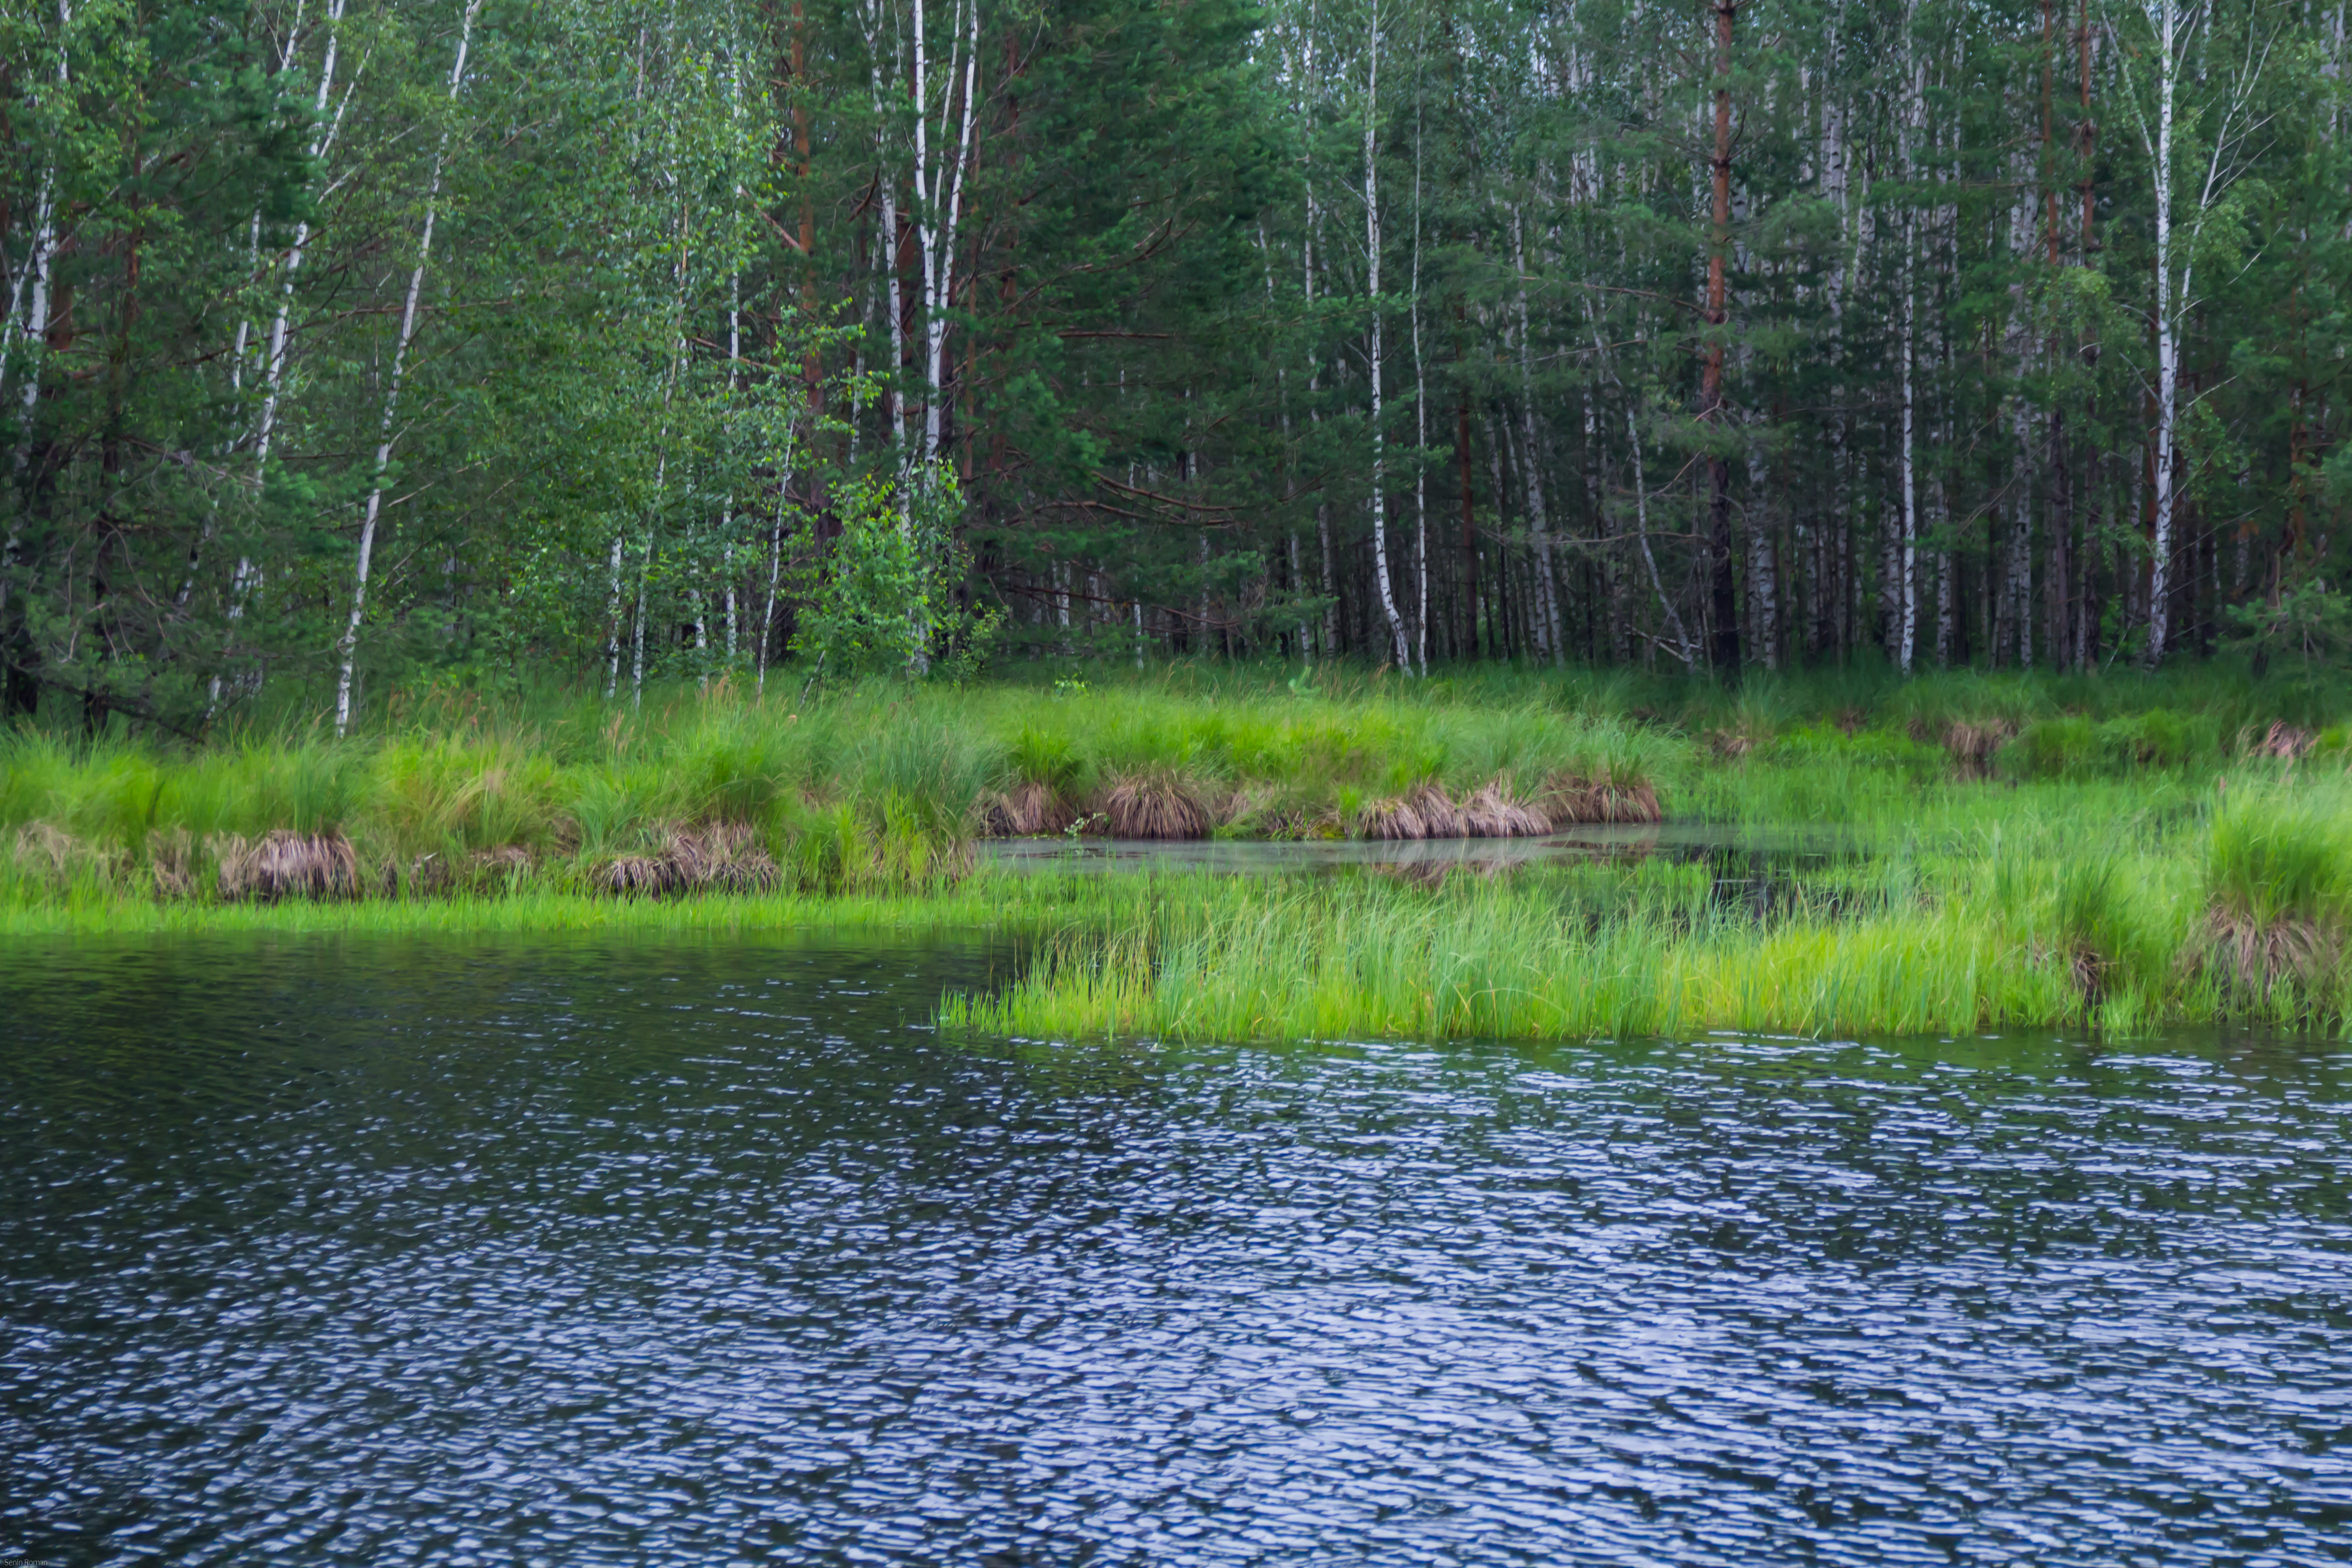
x,y
2172,27
350,646
939,198
274,365
2168,348
1382,580
35,276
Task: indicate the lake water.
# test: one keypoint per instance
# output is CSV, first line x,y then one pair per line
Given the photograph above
x,y
586,1252
1743,846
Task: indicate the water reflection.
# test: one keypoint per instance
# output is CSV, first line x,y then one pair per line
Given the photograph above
x,y
1601,842
587,1252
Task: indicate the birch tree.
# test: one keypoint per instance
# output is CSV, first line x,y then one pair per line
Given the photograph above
x,y
2171,33
374,512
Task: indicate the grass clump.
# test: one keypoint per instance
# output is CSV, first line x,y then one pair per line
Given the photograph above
x,y
2278,889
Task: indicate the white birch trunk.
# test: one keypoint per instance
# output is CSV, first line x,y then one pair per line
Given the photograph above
x,y
1373,286
613,619
1763,577
1329,633
2168,348
34,280
1683,649
644,580
727,509
242,580
886,175
350,647
939,197
775,576
1909,554
2233,90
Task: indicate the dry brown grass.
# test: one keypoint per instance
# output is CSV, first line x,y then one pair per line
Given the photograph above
x,y
1440,817
429,876
1025,811
638,875
2258,954
1574,798
1155,805
1495,811
284,864
718,856
171,862
48,852
1238,805
1392,820
2285,742
725,856
1972,746
505,860
58,857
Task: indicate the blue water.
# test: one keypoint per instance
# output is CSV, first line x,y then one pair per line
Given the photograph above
x,y
586,1252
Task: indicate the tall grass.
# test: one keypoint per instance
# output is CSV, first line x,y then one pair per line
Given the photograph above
x,y
906,773
1363,959
2112,892
2054,918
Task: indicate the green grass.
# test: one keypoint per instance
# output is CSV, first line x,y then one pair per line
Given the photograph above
x,y
2047,923
2128,857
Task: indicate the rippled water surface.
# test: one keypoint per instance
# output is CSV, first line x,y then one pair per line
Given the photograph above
x,y
581,1253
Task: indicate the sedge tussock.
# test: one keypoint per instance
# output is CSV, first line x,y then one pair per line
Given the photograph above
x,y
1027,810
718,856
1440,817
1394,820
1156,804
1494,811
1570,799
284,864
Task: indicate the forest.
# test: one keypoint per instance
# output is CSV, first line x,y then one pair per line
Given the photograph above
x,y
359,344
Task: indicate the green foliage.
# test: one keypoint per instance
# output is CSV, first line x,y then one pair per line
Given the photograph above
x,y
882,599
2309,622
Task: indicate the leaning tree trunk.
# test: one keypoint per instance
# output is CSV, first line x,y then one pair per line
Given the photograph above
x,y
392,392
1381,578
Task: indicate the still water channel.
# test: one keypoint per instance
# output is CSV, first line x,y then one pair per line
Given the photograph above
x,y
589,1251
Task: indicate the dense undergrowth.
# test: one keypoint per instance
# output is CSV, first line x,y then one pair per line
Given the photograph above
x,y
2120,852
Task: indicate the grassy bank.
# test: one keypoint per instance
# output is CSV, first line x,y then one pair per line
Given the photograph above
x,y
2116,854
881,786
2061,915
